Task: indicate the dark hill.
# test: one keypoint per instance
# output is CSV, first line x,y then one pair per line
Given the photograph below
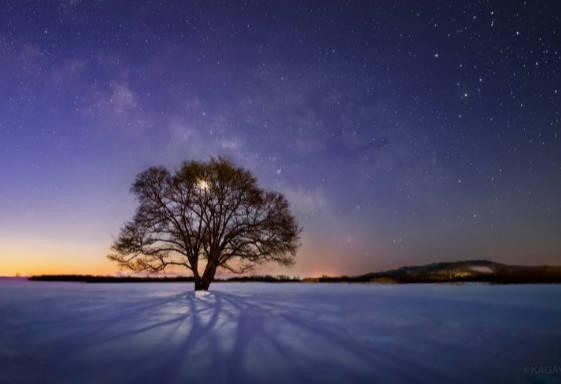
x,y
461,271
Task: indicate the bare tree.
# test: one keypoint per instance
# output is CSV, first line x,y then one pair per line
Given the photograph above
x,y
206,214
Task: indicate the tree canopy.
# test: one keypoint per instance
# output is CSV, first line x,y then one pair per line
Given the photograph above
x,y
205,215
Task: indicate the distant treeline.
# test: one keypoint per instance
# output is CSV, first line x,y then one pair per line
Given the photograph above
x,y
158,279
455,272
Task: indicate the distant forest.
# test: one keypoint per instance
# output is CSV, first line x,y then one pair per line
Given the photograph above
x,y
454,272
158,279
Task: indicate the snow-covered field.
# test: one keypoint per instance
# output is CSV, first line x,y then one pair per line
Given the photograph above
x,y
276,333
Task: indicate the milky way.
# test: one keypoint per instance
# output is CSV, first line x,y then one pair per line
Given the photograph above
x,y
401,133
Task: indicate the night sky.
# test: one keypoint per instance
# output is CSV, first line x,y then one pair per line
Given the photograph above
x,y
401,133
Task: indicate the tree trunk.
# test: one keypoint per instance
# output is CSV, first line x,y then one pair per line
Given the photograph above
x,y
202,283
205,284
199,285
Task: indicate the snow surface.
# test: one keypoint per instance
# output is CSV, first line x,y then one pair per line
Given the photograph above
x,y
277,333
481,269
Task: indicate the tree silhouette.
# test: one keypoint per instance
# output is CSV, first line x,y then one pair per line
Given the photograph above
x,y
208,214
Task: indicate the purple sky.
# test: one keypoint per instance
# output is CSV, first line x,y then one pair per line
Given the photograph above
x,y
400,133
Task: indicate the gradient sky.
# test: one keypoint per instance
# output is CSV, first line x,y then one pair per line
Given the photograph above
x,y
401,133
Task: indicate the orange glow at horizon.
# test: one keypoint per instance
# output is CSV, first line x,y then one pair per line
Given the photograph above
x,y
38,257
25,257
